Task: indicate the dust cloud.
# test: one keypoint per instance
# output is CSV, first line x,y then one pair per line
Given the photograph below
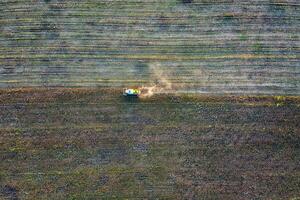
x,y
162,83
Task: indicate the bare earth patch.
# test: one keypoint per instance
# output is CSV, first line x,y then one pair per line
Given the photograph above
x,y
80,143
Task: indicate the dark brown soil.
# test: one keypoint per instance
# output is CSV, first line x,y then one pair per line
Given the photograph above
x,y
93,144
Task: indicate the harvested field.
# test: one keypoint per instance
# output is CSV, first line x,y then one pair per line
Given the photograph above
x,y
203,46
223,122
60,143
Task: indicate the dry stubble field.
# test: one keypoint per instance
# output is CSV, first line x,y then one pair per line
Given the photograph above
x,y
211,46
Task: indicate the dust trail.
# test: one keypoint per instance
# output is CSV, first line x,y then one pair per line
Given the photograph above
x,y
162,82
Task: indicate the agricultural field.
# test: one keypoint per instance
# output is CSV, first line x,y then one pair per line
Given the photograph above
x,y
220,119
96,144
216,46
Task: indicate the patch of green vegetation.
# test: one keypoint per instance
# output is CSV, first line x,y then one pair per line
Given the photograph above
x,y
280,100
258,48
244,37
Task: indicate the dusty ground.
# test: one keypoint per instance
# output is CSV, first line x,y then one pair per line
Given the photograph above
x,y
93,144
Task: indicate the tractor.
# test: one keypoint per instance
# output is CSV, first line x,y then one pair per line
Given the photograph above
x,y
129,92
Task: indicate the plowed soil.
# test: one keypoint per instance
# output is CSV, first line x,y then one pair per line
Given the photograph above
x,y
94,144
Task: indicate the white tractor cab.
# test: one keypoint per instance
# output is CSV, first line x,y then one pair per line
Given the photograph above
x,y
129,92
